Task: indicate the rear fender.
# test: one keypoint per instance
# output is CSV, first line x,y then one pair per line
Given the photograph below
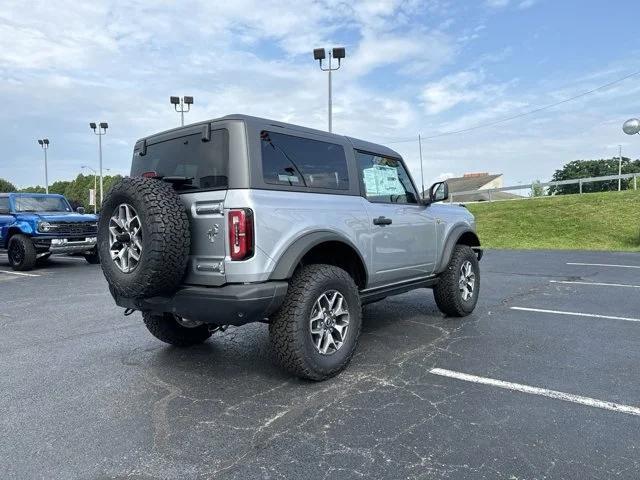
x,y
291,257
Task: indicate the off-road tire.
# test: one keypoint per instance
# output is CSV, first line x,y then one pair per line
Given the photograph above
x,y
166,238
165,328
93,258
447,292
289,326
21,252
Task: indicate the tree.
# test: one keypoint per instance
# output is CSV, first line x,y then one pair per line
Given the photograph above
x,y
537,190
593,168
6,186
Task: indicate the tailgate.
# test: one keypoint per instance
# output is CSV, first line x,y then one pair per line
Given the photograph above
x,y
208,237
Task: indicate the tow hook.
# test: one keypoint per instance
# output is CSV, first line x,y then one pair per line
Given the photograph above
x,y
221,328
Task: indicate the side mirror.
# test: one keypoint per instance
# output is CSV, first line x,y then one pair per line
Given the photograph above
x,y
80,210
438,192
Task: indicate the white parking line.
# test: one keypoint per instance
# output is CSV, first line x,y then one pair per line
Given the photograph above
x,y
518,387
20,273
602,265
595,284
575,314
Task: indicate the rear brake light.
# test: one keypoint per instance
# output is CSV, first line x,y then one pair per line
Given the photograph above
x,y
150,174
240,234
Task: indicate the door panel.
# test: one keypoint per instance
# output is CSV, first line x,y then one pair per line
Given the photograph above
x,y
403,231
404,249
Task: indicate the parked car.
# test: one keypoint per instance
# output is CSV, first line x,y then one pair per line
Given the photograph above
x,y
35,226
242,219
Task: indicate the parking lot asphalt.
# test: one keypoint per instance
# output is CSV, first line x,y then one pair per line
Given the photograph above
x,y
88,393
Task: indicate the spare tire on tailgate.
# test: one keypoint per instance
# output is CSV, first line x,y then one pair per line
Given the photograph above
x,y
143,238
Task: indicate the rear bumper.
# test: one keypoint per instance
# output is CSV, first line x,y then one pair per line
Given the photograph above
x,y
227,305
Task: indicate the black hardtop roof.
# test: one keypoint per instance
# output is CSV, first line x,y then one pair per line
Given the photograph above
x,y
263,123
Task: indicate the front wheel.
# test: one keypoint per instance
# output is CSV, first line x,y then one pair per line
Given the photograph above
x,y
457,290
315,332
22,253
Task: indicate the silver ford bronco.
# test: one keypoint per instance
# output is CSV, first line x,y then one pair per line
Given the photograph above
x,y
242,219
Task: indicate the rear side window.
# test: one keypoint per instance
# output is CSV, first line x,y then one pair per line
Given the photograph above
x,y
4,204
384,179
205,163
302,162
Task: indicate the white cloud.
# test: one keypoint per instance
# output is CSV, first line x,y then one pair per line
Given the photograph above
x,y
497,3
466,87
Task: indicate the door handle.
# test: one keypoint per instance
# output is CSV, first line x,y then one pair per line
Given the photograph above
x,y
382,221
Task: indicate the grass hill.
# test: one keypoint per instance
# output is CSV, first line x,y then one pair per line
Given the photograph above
x,y
593,221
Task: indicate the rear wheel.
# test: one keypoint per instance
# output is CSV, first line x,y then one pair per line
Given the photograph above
x,y
175,330
315,332
21,252
456,293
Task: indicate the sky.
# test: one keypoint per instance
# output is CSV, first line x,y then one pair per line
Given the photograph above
x,y
412,67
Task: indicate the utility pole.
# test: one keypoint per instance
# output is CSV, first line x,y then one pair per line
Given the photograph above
x,y
100,130
320,54
421,170
44,143
619,167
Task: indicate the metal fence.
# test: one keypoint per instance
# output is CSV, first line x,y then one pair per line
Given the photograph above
x,y
490,192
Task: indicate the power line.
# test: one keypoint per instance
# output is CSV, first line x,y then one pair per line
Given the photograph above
x,y
524,114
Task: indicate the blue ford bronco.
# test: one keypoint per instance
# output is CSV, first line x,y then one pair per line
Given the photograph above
x,y
34,226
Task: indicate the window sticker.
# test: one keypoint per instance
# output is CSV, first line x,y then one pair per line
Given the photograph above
x,y
288,178
382,180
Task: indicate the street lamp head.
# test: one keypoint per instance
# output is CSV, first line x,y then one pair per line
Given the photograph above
x,y
631,126
92,125
40,142
339,53
319,54
46,141
104,125
174,100
188,100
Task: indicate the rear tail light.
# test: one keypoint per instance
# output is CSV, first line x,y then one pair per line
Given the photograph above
x,y
241,234
149,174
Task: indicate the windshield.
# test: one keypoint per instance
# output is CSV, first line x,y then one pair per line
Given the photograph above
x,y
41,204
203,165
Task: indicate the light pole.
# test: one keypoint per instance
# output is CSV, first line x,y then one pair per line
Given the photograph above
x,y
181,101
95,186
44,143
100,130
320,54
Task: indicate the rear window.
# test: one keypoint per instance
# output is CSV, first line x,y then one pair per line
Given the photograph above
x,y
302,162
204,163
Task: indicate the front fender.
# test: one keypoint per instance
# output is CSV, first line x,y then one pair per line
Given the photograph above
x,y
19,226
453,239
